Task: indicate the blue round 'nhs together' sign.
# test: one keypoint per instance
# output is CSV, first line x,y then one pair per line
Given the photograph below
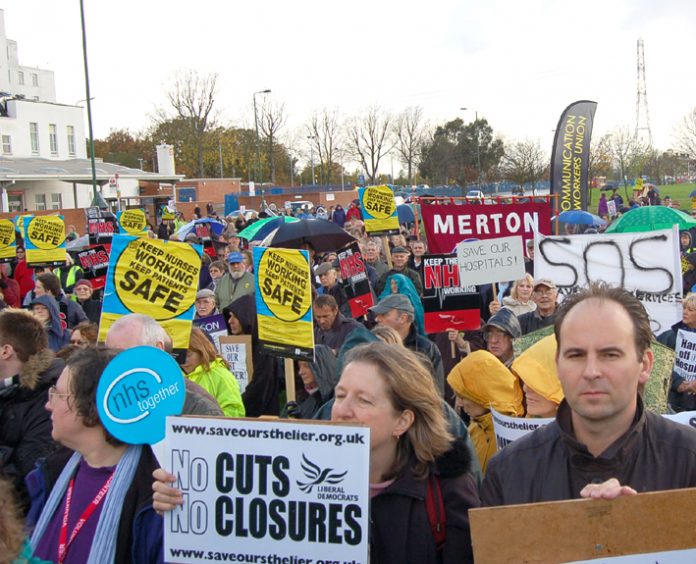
x,y
137,391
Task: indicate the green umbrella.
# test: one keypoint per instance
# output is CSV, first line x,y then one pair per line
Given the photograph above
x,y
259,229
650,218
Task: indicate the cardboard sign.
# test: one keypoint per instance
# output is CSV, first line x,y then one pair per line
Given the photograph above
x,y
213,325
379,210
132,222
446,303
447,225
646,264
154,277
508,429
136,392
284,302
237,352
95,264
8,241
354,280
583,528
685,349
490,260
44,240
270,491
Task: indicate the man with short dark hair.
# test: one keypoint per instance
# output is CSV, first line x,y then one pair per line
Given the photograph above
x,y
397,312
603,443
545,295
400,266
28,369
332,327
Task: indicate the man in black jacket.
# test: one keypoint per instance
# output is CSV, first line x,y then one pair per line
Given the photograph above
x,y
603,443
27,370
396,311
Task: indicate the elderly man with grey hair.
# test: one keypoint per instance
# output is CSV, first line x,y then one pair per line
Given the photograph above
x,y
135,330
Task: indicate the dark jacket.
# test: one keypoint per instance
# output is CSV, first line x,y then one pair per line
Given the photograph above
x,y
58,336
92,309
334,337
400,530
140,531
678,401
533,321
25,425
423,345
549,464
411,274
71,311
261,396
324,369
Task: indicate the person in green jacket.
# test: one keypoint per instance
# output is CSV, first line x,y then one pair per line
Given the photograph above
x,y
205,367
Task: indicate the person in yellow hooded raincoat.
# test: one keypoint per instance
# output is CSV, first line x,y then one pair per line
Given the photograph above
x,y
480,381
536,368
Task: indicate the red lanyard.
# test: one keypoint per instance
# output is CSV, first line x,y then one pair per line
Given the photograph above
x,y
62,544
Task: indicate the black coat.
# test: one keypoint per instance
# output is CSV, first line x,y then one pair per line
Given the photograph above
x,y
25,425
400,529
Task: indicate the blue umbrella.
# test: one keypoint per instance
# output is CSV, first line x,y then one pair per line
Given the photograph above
x,y
580,217
405,213
693,194
216,227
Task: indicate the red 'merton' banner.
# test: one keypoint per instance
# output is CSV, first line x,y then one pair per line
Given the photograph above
x,y
447,225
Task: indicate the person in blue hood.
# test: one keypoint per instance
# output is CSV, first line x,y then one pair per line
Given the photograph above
x,y
45,309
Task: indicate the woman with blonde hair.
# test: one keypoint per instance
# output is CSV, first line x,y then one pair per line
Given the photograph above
x,y
412,457
205,367
520,299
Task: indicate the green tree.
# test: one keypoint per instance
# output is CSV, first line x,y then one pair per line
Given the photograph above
x,y
124,148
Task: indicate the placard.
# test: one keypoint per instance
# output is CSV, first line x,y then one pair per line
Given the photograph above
x,y
8,241
490,260
583,528
646,264
379,210
447,304
447,225
237,352
154,277
685,350
44,240
267,491
95,263
508,429
132,222
284,302
213,325
355,281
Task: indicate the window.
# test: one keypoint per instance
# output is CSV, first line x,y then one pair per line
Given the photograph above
x,y
53,138
56,201
35,98
16,202
6,145
20,77
34,135
71,140
34,79
40,200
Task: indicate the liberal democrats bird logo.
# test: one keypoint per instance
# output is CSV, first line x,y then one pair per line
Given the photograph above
x,y
317,476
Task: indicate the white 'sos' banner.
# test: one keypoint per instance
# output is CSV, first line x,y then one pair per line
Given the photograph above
x,y
646,264
267,491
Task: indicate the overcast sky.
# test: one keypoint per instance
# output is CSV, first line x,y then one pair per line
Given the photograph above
x,y
518,63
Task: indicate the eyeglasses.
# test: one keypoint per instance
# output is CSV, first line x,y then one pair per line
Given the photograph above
x,y
53,393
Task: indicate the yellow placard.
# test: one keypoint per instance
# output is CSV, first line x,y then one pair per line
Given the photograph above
x,y
45,240
8,245
379,209
133,222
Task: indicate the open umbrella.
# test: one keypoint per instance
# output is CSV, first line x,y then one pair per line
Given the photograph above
x,y
216,227
321,234
259,229
650,218
405,213
580,217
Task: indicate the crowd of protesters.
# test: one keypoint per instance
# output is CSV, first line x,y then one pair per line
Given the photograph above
x,y
426,398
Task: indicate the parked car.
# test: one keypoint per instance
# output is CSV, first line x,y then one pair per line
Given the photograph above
x,y
475,194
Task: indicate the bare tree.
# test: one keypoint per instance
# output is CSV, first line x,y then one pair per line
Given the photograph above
x,y
686,134
368,137
627,152
524,162
410,132
324,135
193,98
271,121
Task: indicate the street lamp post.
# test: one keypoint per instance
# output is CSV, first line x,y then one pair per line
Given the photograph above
x,y
89,104
311,155
478,148
256,126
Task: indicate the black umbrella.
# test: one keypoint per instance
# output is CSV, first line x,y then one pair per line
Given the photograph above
x,y
321,234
